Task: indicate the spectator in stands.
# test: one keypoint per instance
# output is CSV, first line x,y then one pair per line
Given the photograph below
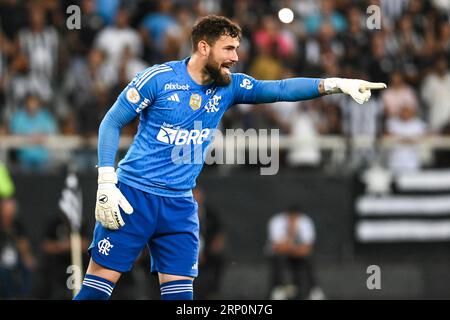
x,y
265,65
283,113
35,123
291,237
305,8
326,15
212,250
13,15
418,10
16,259
304,125
322,50
20,83
271,36
113,40
3,68
129,66
94,77
159,29
397,95
443,40
442,5
361,125
91,24
378,63
107,9
404,42
435,92
392,10
407,128
56,258
356,40
185,20
40,44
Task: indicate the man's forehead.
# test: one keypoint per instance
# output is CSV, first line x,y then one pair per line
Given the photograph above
x,y
226,40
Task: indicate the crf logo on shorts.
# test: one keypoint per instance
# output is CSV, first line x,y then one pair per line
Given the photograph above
x,y
104,246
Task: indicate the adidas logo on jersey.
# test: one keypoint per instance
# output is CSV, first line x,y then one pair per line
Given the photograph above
x,y
174,97
181,136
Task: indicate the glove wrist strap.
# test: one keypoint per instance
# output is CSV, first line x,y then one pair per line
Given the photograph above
x,y
106,186
331,85
106,175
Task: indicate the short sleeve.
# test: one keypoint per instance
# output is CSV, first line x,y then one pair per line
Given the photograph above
x,y
276,229
143,90
307,232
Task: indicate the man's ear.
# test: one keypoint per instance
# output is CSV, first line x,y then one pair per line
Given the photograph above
x,y
203,48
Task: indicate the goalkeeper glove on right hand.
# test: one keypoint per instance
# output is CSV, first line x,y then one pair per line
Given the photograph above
x,y
109,198
359,90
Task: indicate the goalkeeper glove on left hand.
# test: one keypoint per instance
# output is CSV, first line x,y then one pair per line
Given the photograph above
x,y
359,90
109,198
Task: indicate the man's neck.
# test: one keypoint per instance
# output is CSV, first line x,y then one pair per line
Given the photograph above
x,y
196,70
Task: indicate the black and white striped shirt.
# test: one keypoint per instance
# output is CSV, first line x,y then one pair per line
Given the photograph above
x,y
394,9
41,50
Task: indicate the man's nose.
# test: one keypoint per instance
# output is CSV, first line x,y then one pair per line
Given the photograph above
x,y
235,57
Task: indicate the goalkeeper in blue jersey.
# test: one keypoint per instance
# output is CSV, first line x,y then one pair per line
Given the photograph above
x,y
148,201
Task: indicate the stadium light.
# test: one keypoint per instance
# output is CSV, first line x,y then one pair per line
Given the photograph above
x,y
286,15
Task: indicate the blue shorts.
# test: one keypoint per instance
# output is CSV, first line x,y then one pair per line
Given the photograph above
x,y
169,226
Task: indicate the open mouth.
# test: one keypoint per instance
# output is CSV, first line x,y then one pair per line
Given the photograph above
x,y
226,68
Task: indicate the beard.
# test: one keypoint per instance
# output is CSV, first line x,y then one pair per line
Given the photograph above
x,y
214,70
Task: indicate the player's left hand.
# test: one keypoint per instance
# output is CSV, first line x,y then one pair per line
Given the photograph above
x,y
109,199
359,90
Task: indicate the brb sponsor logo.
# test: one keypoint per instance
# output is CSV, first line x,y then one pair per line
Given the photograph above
x,y
176,86
210,146
177,136
188,147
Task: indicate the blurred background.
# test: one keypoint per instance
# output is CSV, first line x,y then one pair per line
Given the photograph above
x,y
371,183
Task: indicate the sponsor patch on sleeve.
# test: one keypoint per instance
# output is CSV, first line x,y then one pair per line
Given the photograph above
x,y
133,95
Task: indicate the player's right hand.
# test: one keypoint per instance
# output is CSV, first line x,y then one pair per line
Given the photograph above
x,y
359,90
109,198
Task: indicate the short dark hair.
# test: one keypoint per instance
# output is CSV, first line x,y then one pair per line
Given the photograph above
x,y
294,208
211,28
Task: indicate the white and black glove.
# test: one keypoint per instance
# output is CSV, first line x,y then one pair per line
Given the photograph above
x,y
359,90
109,198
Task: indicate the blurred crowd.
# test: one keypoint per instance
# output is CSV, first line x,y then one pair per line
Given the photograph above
x,y
54,80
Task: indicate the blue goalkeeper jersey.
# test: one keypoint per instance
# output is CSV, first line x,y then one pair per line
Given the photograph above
x,y
177,122
178,118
